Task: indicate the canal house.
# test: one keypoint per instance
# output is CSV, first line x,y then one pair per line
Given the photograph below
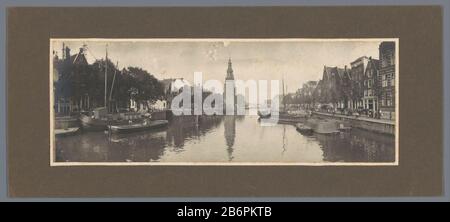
x,y
70,78
358,68
331,89
370,86
387,79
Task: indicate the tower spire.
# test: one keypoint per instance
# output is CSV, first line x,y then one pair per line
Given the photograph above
x,y
230,75
229,96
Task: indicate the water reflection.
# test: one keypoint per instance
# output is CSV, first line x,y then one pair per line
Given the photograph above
x,y
358,146
230,134
225,139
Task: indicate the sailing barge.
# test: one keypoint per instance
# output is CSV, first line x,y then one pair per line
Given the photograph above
x,y
99,119
136,127
95,120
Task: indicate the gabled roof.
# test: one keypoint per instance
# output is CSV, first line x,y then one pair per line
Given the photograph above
x,y
78,59
328,71
340,72
377,63
348,73
312,82
373,63
359,59
319,83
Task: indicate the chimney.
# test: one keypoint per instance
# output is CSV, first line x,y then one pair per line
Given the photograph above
x,y
67,53
63,52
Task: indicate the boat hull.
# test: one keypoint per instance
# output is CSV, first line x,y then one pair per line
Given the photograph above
x,y
345,129
323,126
156,124
65,122
66,132
264,115
303,129
91,124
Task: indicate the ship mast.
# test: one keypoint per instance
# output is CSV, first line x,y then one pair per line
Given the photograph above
x,y
106,76
284,101
112,84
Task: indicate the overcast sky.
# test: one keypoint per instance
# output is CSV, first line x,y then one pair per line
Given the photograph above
x,y
298,61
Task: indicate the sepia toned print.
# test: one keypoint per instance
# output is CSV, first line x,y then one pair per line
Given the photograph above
x,y
224,101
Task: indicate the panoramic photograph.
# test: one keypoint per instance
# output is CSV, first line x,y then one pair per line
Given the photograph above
x,y
224,102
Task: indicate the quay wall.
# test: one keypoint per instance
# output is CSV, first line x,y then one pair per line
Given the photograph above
x,y
374,125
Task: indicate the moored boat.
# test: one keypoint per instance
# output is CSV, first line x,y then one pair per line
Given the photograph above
x,y
99,119
135,127
95,120
344,128
66,131
323,126
288,117
63,122
264,114
304,129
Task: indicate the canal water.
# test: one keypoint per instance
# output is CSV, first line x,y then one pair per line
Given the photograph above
x,y
225,139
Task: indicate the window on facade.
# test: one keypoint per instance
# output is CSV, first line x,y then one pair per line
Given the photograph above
x,y
388,98
388,80
387,59
384,63
369,83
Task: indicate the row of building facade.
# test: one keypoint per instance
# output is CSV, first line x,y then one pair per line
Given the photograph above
x,y
367,86
78,87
